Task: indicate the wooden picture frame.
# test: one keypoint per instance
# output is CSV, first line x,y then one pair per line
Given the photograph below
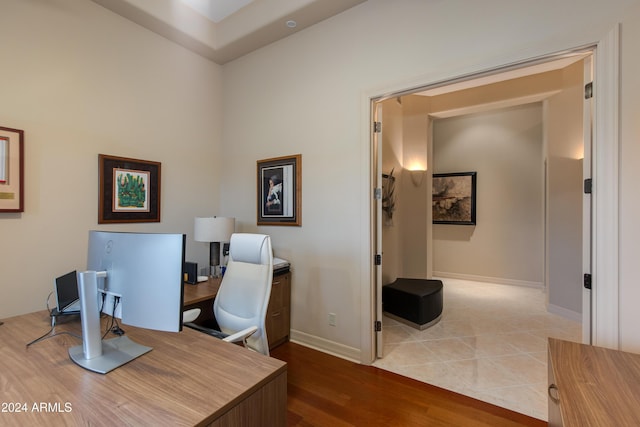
x,y
129,190
11,170
454,198
279,195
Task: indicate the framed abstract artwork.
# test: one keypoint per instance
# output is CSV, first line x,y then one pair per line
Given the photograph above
x,y
11,170
279,191
454,198
129,190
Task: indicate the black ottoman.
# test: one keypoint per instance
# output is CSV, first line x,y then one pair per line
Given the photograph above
x,y
415,302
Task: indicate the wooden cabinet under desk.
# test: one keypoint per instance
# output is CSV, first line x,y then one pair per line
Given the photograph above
x,y
278,321
592,386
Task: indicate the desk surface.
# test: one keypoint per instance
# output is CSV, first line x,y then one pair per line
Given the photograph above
x,y
202,291
596,386
188,378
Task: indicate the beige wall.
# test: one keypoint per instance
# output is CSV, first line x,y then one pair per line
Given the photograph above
x,y
504,147
392,155
629,179
405,239
564,153
309,94
415,189
80,81
83,81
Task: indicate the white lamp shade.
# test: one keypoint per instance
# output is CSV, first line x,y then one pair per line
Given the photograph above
x,y
213,229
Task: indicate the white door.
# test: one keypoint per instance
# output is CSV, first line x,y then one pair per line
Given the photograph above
x,y
377,181
586,203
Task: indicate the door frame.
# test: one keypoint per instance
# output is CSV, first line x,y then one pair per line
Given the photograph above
x,y
605,195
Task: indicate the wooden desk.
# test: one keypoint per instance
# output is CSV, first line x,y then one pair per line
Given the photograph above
x,y
203,291
278,322
189,378
201,296
592,386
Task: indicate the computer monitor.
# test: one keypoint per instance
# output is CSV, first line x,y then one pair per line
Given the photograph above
x,y
144,272
66,291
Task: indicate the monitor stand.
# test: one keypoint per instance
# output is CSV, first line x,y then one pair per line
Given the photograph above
x,y
95,354
115,353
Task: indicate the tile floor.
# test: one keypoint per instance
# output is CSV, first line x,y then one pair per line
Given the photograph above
x,y
491,344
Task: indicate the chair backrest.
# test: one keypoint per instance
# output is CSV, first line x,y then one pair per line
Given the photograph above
x,y
244,293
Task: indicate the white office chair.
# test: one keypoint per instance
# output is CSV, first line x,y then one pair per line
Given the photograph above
x,y
240,306
190,315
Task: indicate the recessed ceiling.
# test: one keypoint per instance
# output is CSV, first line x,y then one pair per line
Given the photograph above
x,y
543,67
216,10
224,30
559,63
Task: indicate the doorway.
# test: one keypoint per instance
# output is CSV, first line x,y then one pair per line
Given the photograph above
x,y
527,85
603,254
423,152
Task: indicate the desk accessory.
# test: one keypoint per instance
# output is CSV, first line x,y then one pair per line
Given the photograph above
x,y
191,273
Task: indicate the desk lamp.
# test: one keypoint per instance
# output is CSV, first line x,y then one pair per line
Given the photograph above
x,y
214,230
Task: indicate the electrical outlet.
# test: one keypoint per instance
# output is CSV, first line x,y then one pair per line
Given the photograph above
x,y
332,319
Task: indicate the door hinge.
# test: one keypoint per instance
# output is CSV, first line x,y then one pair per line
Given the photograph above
x,y
587,186
587,281
377,259
588,90
377,127
377,193
377,325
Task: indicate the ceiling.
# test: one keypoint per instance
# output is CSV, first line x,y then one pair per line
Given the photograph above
x,y
224,30
554,63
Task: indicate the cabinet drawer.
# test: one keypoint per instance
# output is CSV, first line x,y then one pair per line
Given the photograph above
x,y
278,321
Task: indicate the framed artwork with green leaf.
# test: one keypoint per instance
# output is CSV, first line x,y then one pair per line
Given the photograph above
x,y
129,190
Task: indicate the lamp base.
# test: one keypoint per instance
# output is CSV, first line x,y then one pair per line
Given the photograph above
x,y
214,259
214,271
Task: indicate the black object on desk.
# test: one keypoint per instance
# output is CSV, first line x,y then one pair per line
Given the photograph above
x,y
191,273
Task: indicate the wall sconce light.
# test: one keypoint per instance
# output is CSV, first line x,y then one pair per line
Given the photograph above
x,y
417,176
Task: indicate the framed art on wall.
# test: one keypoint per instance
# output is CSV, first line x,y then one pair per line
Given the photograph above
x,y
11,170
129,190
279,190
454,198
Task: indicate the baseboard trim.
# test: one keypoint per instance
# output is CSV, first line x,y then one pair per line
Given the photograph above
x,y
333,348
497,280
564,312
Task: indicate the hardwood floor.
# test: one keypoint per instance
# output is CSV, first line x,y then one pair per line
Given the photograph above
x,y
324,390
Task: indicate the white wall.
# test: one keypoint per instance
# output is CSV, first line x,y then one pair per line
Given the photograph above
x,y
629,179
504,147
81,81
309,94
